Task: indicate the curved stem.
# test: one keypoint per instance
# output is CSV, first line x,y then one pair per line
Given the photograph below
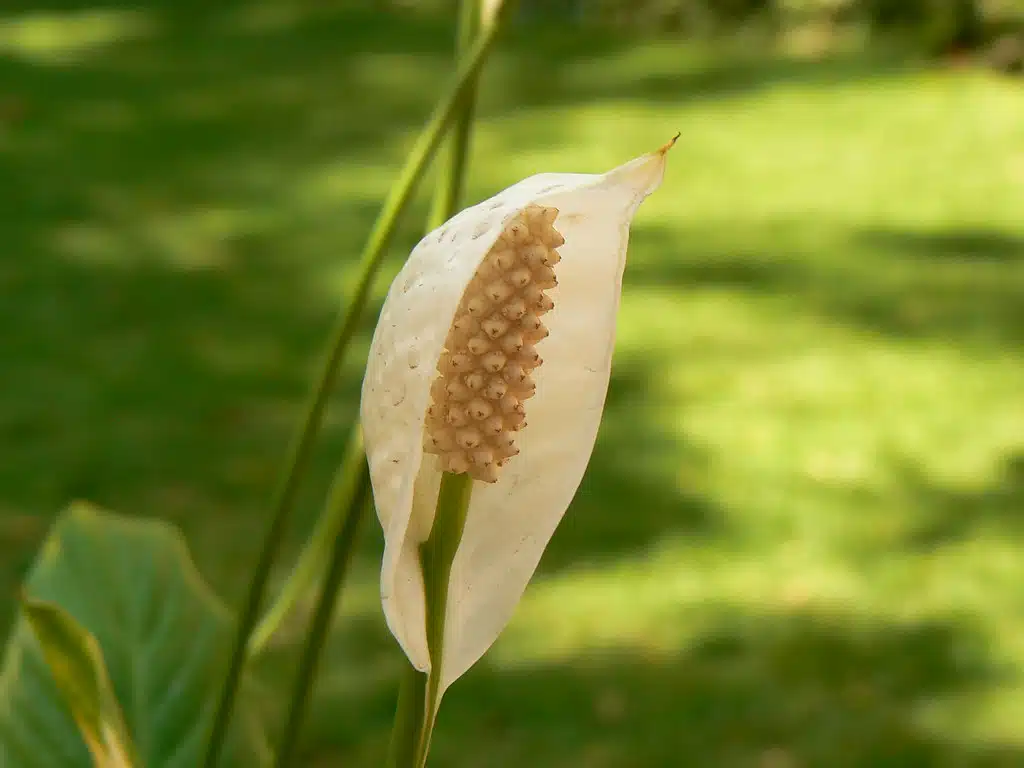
x,y
318,548
452,174
438,554
405,734
358,485
284,500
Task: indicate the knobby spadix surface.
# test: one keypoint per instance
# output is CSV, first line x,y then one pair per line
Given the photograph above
x,y
435,389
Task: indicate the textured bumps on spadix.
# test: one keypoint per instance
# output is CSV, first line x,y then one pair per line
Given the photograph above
x,y
484,374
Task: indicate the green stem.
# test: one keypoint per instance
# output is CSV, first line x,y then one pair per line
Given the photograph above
x,y
419,694
318,548
405,734
358,483
438,554
452,174
284,500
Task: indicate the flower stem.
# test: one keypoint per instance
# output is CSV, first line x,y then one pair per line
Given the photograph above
x,y
419,694
318,548
284,501
438,554
352,497
405,734
452,174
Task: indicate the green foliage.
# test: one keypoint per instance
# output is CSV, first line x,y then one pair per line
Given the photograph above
x,y
131,585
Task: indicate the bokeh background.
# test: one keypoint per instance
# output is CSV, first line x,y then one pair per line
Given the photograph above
x,y
800,540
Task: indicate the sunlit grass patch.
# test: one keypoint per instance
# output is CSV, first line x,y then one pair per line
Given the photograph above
x,y
63,37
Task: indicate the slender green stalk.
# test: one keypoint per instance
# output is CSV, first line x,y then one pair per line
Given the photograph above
x,y
438,554
358,485
452,174
405,734
284,500
317,551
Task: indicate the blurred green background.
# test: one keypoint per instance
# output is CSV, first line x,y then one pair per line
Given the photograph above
x,y
800,539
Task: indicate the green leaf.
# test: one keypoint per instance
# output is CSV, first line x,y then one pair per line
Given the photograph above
x,y
76,663
162,632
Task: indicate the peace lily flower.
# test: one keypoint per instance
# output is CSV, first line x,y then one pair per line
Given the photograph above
x,y
456,382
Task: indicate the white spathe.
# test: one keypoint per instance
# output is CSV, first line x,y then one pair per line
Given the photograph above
x,y
509,522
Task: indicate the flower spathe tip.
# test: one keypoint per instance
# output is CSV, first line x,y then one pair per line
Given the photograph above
x,y
664,148
452,368
645,173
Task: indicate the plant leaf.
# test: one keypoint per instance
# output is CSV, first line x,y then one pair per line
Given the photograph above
x,y
162,632
76,662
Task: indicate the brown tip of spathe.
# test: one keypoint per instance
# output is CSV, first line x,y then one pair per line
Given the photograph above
x,y
670,143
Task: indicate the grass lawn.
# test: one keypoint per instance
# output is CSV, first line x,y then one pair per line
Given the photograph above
x,y
800,541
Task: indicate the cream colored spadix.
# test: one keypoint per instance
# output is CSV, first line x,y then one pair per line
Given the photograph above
x,y
463,376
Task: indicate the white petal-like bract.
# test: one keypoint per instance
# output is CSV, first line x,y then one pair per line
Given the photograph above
x,y
510,521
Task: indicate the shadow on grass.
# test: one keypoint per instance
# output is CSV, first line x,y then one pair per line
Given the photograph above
x,y
643,483
951,515
963,245
156,391
802,689
960,286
